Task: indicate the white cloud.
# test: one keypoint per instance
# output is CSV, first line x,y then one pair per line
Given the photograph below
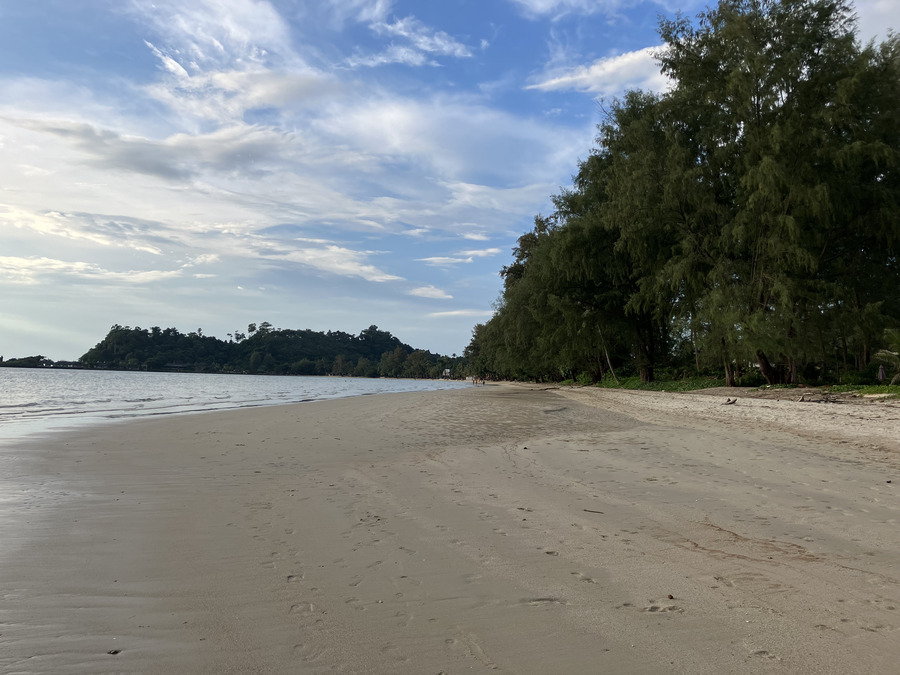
x,y
431,292
202,259
536,8
223,58
338,260
560,8
105,231
361,11
608,76
419,44
481,253
225,96
417,232
444,261
463,312
394,54
213,34
28,270
423,38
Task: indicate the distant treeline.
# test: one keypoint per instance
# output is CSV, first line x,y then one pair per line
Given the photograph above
x,y
747,221
261,350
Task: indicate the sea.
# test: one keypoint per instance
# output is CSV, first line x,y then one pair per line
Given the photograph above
x,y
38,400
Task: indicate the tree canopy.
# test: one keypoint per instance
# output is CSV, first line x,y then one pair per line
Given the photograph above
x,y
747,216
263,349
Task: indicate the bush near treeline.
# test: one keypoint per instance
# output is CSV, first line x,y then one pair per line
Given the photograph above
x,y
746,222
266,350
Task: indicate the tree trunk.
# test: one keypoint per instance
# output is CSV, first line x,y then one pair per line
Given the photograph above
x,y
844,346
696,353
729,374
794,377
768,371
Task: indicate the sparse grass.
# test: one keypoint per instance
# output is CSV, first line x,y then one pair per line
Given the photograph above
x,y
864,389
688,384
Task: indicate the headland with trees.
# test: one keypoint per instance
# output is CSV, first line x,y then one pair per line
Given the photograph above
x,y
262,349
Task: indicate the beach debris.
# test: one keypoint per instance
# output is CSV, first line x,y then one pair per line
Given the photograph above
x,y
671,597
601,512
730,401
114,651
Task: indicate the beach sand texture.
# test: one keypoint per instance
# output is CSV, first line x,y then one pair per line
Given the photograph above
x,y
499,528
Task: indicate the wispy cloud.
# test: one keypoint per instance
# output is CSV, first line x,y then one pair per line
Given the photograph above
x,y
97,229
29,270
463,313
218,34
445,261
422,37
560,8
537,8
431,292
338,260
361,11
400,54
412,44
480,253
607,76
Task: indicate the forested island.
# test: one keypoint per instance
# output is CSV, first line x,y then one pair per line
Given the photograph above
x,y
745,223
262,350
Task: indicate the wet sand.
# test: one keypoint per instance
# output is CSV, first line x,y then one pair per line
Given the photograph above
x,y
494,528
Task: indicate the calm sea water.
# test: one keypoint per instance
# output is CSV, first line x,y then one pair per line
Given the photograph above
x,y
37,400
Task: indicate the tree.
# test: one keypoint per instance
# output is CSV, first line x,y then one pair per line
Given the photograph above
x,y
766,111
749,214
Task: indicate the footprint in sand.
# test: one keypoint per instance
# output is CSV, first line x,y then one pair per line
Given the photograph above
x,y
763,654
305,608
309,653
663,608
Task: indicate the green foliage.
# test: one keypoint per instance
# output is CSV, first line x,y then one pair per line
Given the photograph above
x,y
686,384
267,350
26,362
748,220
892,391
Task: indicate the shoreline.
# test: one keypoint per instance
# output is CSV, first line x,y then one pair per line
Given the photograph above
x,y
499,527
38,406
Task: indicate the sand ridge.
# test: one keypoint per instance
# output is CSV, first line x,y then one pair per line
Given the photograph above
x,y
493,528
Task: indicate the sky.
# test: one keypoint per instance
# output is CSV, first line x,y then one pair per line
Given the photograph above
x,y
322,164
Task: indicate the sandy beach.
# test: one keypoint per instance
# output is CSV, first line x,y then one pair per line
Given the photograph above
x,y
505,528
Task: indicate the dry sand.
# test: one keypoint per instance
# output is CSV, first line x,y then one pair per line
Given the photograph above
x,y
494,528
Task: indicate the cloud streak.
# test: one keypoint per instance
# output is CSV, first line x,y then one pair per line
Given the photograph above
x,y
430,292
608,76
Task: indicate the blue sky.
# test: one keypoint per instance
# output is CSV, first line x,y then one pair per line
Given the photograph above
x,y
322,164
